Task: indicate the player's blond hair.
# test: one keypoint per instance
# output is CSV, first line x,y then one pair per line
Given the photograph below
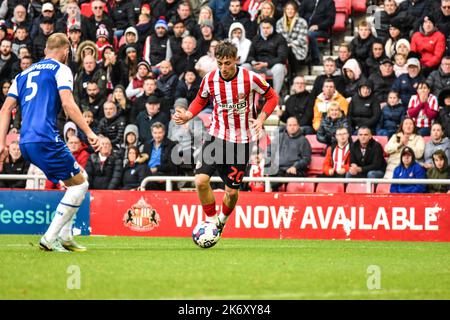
x,y
57,41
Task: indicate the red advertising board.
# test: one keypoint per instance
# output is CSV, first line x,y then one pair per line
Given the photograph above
x,y
277,215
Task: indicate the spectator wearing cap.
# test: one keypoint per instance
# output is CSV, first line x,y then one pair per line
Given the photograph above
x,y
184,14
150,89
48,11
408,169
134,88
47,27
167,84
131,36
406,84
156,46
429,43
268,54
189,137
90,71
439,79
7,59
99,17
187,58
122,16
423,108
19,17
383,79
102,41
403,47
206,37
149,116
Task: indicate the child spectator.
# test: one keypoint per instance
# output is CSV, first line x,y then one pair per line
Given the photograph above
x,y
440,170
102,42
391,116
400,66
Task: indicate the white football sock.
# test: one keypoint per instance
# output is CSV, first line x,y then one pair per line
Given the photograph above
x,y
66,231
212,219
223,218
66,209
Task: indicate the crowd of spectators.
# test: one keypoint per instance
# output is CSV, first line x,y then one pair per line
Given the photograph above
x,y
135,62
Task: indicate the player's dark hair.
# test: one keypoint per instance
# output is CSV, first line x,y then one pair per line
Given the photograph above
x,y
225,49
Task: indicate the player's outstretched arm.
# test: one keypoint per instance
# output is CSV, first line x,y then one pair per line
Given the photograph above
x,y
74,113
5,117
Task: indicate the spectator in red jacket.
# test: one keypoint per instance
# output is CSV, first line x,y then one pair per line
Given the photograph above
x,y
430,43
78,150
337,159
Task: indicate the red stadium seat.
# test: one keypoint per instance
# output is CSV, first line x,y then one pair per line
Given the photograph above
x,y
340,22
359,6
86,9
316,165
427,139
357,188
383,188
302,187
12,137
330,187
316,146
383,140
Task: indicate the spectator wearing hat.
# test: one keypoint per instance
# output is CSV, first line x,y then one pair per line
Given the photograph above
x,y
408,169
187,58
134,88
383,79
131,36
206,37
235,14
364,108
268,54
99,17
47,27
439,79
167,84
149,116
184,14
48,11
423,108
150,89
403,47
122,16
429,43
156,46
444,112
385,18
406,84
75,38
102,41
7,59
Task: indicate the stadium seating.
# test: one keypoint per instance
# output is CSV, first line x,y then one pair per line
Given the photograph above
x,y
359,6
343,12
304,187
357,188
427,139
316,165
86,9
316,146
383,188
329,187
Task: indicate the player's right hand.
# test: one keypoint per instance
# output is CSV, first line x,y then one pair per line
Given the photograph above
x,y
3,152
94,141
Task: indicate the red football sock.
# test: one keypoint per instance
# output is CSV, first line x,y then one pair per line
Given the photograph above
x,y
225,210
209,209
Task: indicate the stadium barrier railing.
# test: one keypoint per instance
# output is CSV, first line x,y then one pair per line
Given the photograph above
x,y
169,180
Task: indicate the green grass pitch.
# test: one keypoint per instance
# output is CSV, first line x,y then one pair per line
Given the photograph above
x,y
174,268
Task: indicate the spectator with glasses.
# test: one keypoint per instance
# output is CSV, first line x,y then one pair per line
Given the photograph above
x,y
99,17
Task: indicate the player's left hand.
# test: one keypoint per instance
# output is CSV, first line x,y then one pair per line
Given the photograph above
x,y
257,126
3,153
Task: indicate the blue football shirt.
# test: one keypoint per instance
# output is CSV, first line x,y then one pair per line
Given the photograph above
x,y
36,90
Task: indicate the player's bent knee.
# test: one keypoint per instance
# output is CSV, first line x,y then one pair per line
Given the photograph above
x,y
202,181
232,193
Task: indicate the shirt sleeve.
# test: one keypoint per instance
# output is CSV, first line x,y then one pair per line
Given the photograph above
x,y
13,92
64,78
204,87
258,83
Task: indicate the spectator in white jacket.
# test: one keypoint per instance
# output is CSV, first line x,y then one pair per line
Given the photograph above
x,y
237,36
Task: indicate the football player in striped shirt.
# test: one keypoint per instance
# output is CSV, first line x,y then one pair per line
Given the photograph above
x,y
235,126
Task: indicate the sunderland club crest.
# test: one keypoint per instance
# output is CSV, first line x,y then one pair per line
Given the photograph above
x,y
141,217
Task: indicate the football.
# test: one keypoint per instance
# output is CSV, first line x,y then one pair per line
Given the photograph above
x,y
205,234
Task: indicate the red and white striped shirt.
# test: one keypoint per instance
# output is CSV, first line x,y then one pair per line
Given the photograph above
x,y
233,103
340,155
424,115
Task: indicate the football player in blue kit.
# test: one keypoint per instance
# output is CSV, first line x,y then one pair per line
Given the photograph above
x,y
41,91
